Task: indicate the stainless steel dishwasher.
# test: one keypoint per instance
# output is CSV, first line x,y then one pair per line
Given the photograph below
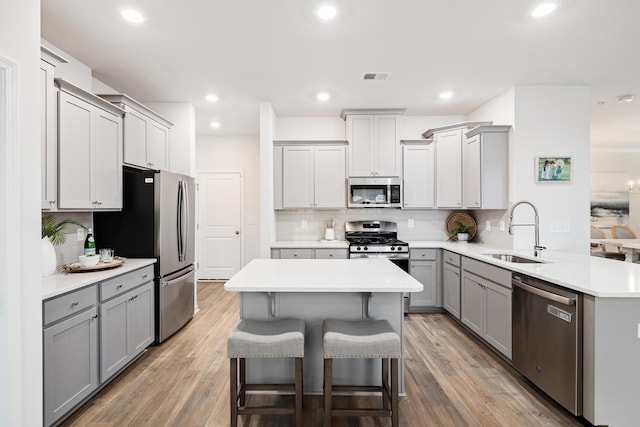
x,y
547,339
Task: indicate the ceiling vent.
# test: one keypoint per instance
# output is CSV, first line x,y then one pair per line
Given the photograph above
x,y
376,76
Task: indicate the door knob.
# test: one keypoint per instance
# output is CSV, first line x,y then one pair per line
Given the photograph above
x,y
237,232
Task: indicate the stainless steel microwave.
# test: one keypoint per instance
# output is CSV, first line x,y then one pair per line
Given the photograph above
x,y
374,193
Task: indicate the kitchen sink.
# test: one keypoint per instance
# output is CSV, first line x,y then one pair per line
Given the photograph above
x,y
515,258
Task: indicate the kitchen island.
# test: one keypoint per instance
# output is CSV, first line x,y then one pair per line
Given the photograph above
x,y
314,290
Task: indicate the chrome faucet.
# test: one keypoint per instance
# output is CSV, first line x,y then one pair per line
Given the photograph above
x,y
536,247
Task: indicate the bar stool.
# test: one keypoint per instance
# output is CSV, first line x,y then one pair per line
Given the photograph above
x,y
264,339
362,339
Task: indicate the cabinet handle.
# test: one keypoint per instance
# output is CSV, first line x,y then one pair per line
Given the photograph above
x,y
119,287
95,316
51,202
295,255
330,255
74,303
145,276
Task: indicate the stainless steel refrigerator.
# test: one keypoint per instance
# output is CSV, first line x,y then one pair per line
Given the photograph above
x,y
157,221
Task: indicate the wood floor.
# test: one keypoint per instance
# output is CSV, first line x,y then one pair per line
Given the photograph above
x,y
451,380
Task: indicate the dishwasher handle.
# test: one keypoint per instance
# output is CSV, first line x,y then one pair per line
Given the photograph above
x,y
542,293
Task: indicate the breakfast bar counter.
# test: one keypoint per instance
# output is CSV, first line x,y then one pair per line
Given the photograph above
x,y
314,290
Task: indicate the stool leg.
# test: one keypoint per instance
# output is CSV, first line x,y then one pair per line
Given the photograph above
x,y
233,386
385,383
299,391
243,382
328,378
395,415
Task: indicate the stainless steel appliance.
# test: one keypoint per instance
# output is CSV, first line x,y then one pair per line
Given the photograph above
x,y
374,193
157,221
378,239
547,339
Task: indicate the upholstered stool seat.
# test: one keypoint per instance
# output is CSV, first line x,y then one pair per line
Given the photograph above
x,y
265,339
355,340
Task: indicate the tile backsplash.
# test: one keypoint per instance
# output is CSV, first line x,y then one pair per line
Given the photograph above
x,y
309,224
427,224
72,248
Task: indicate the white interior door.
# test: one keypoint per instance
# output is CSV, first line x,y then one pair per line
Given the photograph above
x,y
220,219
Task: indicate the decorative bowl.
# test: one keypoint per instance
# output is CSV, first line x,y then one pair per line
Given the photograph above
x,y
89,260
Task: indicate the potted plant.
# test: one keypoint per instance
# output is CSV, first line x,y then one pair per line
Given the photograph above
x,y
461,232
53,233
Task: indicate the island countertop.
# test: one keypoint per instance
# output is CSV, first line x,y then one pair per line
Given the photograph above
x,y
322,275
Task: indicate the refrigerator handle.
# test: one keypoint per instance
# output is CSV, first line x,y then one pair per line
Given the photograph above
x,y
185,234
179,221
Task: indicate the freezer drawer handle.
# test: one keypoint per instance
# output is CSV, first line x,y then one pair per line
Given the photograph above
x,y
544,294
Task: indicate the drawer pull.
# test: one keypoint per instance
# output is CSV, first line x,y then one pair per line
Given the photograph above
x,y
119,287
145,276
74,303
95,316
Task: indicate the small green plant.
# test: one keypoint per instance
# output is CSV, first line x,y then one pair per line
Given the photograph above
x,y
460,228
55,230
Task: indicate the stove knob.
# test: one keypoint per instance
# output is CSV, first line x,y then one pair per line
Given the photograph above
x,y
358,248
366,248
393,249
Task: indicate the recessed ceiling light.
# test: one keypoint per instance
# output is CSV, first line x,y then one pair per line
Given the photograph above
x,y
625,98
446,95
212,97
215,125
543,9
323,96
326,12
133,16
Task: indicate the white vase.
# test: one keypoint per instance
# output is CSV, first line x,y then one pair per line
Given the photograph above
x,y
329,234
49,261
463,237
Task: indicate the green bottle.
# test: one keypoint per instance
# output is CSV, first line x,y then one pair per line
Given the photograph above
x,y
90,243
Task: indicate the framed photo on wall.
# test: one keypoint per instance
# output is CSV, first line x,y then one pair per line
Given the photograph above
x,y
553,169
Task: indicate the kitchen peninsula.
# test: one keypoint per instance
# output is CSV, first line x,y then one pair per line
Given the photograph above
x,y
315,290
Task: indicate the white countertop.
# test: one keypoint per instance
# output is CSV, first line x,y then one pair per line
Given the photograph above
x,y
591,275
313,244
322,275
62,282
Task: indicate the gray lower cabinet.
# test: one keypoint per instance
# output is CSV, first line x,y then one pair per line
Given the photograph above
x,y
81,349
486,303
126,328
451,283
70,348
423,266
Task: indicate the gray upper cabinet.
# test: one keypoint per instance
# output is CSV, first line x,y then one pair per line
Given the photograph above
x,y
70,351
374,148
146,134
89,151
310,176
418,175
449,170
486,160
450,142
49,139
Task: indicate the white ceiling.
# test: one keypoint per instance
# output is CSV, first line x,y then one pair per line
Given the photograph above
x,y
248,51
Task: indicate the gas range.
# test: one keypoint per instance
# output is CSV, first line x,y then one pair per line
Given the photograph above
x,y
375,239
